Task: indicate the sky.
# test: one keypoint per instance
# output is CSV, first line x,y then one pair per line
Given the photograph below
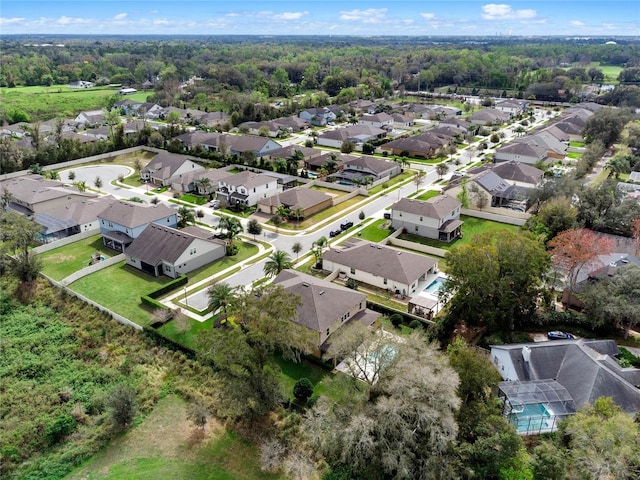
x,y
576,18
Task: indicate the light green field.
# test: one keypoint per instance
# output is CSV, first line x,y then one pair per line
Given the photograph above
x,y
44,103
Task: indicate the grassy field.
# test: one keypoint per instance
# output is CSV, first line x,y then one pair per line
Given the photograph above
x,y
43,103
167,445
472,226
64,261
375,232
428,194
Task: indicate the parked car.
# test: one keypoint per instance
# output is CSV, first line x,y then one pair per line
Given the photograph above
x,y
387,216
346,225
335,233
215,204
558,335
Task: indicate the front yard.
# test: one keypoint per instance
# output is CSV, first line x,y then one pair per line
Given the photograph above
x,y
472,226
376,231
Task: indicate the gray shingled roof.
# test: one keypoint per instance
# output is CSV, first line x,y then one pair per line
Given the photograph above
x,y
524,149
436,207
377,165
158,243
322,302
297,198
131,214
518,172
80,212
166,164
248,179
382,261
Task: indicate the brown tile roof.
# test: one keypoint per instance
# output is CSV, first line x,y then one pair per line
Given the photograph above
x,y
436,207
382,261
322,302
131,214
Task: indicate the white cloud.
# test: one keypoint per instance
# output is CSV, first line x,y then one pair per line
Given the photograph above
x,y
9,21
428,16
161,21
371,15
577,23
289,15
501,11
64,20
120,16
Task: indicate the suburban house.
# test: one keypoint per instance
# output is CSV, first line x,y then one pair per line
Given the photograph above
x,y
231,144
319,117
138,109
503,184
91,117
364,106
402,121
440,112
194,181
545,382
488,116
604,266
380,120
32,194
554,148
66,220
214,119
357,134
292,150
122,222
161,250
360,168
456,122
326,307
246,188
316,163
437,218
512,106
301,202
165,166
423,145
81,84
380,266
523,152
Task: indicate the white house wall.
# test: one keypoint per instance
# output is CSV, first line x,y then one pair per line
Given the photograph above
x,y
370,279
503,362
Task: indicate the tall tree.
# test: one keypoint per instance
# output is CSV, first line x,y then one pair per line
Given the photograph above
x,y
276,262
186,216
418,178
17,236
254,228
442,169
495,280
573,250
296,248
221,296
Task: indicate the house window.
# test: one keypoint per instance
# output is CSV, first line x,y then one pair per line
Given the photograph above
x,y
420,218
167,268
385,281
416,228
168,219
353,271
327,331
399,214
254,190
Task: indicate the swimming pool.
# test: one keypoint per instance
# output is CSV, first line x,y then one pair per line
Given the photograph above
x,y
348,184
434,287
531,418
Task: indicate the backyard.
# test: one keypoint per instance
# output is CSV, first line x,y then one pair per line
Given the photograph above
x,y
318,217
376,231
63,261
472,226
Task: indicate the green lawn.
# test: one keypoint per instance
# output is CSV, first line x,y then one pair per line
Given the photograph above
x,y
43,103
428,194
375,232
394,181
187,197
472,226
577,144
64,261
311,221
574,155
167,445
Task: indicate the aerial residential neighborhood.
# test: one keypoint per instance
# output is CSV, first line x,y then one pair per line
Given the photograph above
x,y
282,256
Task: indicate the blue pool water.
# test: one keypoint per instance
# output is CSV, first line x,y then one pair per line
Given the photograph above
x,y
532,418
348,184
434,287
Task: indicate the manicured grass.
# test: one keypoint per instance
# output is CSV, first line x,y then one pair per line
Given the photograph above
x,y
472,226
63,261
119,288
167,445
375,232
577,144
574,155
43,103
187,197
324,214
329,191
189,335
428,194
390,183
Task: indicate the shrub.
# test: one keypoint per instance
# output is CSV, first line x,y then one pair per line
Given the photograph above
x,y
122,402
303,389
351,283
62,426
361,216
396,320
416,324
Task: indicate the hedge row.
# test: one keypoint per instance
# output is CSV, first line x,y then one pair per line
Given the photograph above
x,y
407,317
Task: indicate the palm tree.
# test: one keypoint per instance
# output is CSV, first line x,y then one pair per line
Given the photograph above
x,y
277,261
81,185
232,226
186,216
221,295
203,185
616,165
296,248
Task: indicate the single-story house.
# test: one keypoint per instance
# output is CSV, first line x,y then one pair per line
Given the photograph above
x,y
384,267
214,119
380,120
512,106
81,84
122,222
316,163
437,218
547,381
440,112
165,166
127,91
554,148
402,121
357,134
301,202
31,194
161,250
359,168
326,307
319,117
423,145
523,152
488,116
292,150
91,117
67,220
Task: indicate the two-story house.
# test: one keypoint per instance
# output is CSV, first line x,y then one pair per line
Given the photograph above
x,y
512,106
326,307
319,117
379,120
437,218
246,188
122,222
384,267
